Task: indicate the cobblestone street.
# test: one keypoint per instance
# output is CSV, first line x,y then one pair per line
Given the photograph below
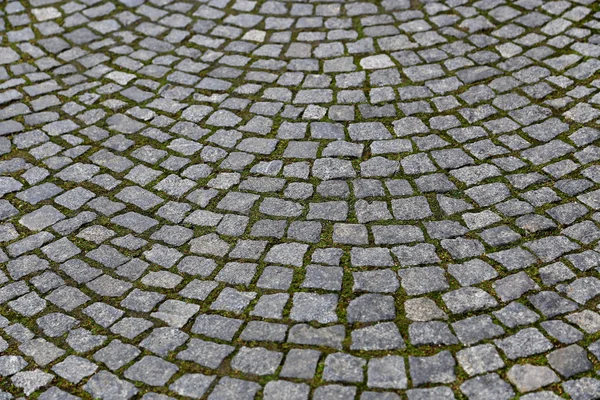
x,y
293,200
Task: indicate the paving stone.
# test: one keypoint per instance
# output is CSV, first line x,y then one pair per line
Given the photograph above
x,y
287,254
314,307
41,218
341,367
551,304
475,329
487,386
10,365
139,300
524,343
151,370
411,208
30,381
583,388
205,353
83,341
561,331
371,307
131,327
264,331
423,309
228,153
438,392
334,392
472,272
374,256
354,234
300,363
41,351
417,281
55,393
326,336
513,286
383,336
569,361
530,377
468,299
433,332
106,385
583,289
375,281
192,385
116,354
387,372
515,258
257,361
327,278
230,388
286,390
74,369
233,300
516,314
433,369
419,254
479,359
161,341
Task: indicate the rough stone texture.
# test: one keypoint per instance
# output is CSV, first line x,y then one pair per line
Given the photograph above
x,y
322,199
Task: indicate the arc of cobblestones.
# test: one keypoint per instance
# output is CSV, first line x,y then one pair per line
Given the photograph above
x,y
239,199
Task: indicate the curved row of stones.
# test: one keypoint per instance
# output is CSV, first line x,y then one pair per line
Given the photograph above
x,y
233,199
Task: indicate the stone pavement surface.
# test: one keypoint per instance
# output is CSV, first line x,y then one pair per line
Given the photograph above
x,y
234,199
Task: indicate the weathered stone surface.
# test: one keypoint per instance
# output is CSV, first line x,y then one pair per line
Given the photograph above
x,y
318,199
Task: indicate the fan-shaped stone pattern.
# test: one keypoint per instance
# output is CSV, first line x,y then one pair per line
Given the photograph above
x,y
233,199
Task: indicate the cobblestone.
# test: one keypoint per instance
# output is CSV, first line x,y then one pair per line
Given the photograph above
x,y
234,199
